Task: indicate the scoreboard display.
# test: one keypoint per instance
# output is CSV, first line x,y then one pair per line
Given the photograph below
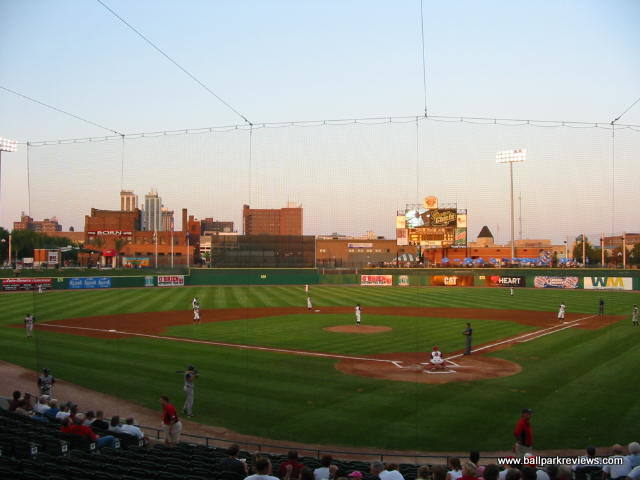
x,y
431,227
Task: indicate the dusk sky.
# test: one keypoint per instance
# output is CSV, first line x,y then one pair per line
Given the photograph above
x,y
291,60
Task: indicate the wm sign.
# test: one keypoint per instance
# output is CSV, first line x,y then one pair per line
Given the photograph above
x,y
608,283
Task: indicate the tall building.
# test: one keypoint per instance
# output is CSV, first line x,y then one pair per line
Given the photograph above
x,y
212,227
43,226
128,201
166,220
152,212
263,221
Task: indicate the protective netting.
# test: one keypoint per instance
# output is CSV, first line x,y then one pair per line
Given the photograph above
x,y
350,178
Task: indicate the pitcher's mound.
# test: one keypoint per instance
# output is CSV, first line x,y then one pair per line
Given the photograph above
x,y
360,329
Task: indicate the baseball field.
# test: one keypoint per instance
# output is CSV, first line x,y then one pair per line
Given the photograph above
x,y
272,368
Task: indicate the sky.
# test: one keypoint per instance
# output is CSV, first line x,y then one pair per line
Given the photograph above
x,y
291,60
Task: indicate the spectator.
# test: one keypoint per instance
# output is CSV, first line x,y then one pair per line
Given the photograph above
x,y
563,473
474,457
99,422
130,429
469,471
27,402
232,463
263,470
529,473
617,472
524,434
513,474
423,473
306,474
587,463
114,425
73,410
439,472
52,413
634,474
63,413
634,455
292,466
43,405
375,469
15,402
327,470
503,474
76,427
455,469
391,473
90,418
355,474
491,472
171,423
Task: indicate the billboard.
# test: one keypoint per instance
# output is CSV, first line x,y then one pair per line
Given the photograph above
x,y
452,281
401,221
430,202
431,236
14,284
403,280
504,281
437,217
117,233
135,262
377,280
555,282
608,283
402,236
461,221
170,280
460,239
53,257
89,282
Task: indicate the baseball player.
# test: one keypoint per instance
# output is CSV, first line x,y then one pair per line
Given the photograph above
x,y
196,314
306,289
511,291
601,307
190,377
561,311
45,382
40,288
195,303
436,361
29,320
358,314
309,304
634,316
468,333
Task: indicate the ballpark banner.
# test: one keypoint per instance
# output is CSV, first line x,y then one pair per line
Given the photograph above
x,y
377,280
608,283
403,280
170,280
504,281
452,281
555,282
13,284
89,282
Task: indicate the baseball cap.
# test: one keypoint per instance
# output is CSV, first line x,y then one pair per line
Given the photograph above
x,y
527,410
355,474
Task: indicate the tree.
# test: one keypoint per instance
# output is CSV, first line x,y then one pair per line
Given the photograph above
x,y
119,243
593,254
634,254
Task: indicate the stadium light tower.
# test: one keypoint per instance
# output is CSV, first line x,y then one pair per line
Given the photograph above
x,y
511,156
6,146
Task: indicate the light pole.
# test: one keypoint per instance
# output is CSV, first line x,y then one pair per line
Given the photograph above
x,y
6,145
511,157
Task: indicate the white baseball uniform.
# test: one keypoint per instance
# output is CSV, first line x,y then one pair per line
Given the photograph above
x,y
28,324
196,314
306,288
436,357
358,313
634,316
561,311
309,304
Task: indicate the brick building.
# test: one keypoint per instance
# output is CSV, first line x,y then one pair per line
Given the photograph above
x,y
277,221
43,226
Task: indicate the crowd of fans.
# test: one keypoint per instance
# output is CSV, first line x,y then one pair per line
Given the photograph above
x,y
94,427
90,425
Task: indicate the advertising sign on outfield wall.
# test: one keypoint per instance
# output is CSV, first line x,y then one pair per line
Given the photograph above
x,y
377,280
504,281
555,282
90,282
170,280
13,284
403,280
608,283
452,281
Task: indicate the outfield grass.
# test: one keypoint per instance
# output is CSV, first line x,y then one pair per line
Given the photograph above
x,y
582,384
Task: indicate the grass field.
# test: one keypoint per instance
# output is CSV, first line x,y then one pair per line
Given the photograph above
x,y
582,384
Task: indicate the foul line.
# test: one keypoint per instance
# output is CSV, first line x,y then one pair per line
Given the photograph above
x,y
223,344
537,333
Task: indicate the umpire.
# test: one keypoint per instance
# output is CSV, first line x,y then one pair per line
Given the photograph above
x,y
468,333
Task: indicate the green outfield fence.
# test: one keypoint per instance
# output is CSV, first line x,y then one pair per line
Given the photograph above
x,y
610,279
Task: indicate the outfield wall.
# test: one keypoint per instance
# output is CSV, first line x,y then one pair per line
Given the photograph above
x,y
478,277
